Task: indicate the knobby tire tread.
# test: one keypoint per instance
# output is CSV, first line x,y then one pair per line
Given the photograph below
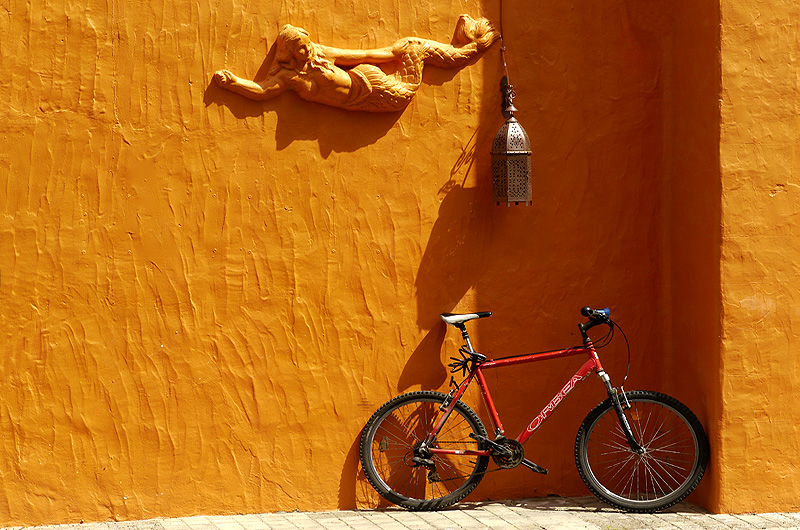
x,y
365,451
693,424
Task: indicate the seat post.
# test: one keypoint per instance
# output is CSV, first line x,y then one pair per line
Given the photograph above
x,y
465,336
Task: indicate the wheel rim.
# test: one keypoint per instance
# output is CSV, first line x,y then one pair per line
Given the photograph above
x,y
396,441
667,466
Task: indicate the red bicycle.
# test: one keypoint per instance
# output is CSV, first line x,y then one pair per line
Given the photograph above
x,y
639,451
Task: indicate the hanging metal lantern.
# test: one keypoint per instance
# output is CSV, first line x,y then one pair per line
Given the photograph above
x,y
511,156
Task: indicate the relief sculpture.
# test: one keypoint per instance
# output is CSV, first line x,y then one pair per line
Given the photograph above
x,y
352,79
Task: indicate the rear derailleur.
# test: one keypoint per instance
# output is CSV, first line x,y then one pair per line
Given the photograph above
x,y
422,458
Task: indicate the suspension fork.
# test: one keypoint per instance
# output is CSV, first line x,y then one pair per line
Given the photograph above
x,y
613,394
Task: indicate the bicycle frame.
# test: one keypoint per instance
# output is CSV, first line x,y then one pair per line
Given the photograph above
x,y
425,450
592,364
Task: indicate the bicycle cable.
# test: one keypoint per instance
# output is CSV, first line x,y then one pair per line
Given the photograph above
x,y
606,339
628,345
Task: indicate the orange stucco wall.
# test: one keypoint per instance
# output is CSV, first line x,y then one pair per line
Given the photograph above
x,y
205,298
590,95
692,233
760,252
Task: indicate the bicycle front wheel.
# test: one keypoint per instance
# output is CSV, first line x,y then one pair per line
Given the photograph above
x,y
403,472
671,466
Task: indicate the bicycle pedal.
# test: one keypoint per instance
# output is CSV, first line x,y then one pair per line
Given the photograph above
x,y
534,467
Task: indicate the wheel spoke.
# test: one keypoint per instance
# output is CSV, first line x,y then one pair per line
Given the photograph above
x,y
394,438
669,467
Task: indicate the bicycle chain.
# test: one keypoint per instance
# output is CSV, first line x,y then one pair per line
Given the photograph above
x,y
463,476
468,476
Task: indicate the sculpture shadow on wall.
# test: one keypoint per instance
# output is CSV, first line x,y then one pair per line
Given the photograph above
x,y
335,130
451,264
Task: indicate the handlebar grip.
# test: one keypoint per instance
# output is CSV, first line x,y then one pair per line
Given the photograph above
x,y
596,313
596,317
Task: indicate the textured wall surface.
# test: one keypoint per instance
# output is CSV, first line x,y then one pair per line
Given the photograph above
x,y
204,297
588,79
692,234
760,134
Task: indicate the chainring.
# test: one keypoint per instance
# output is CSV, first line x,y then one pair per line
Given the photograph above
x,y
514,457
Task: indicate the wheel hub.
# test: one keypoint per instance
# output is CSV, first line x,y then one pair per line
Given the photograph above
x,y
421,456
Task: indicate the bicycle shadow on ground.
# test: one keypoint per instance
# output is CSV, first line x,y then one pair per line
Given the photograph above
x,y
577,506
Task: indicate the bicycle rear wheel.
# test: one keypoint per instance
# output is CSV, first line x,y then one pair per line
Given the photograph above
x,y
675,457
394,465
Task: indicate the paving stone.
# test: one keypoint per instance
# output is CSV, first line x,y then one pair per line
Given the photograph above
x,y
705,521
731,521
173,524
552,513
781,520
199,523
755,521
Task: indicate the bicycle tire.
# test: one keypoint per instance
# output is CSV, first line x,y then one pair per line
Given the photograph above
x,y
391,436
671,468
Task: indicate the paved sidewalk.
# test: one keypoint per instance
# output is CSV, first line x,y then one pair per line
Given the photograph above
x,y
552,513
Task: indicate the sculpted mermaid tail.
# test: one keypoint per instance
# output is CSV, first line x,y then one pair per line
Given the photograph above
x,y
394,92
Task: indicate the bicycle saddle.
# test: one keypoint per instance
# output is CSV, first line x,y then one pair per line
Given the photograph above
x,y
459,318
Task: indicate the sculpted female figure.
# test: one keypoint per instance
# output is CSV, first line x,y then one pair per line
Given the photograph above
x,y
350,79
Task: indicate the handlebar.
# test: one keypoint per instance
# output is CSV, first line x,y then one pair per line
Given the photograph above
x,y
596,314
596,317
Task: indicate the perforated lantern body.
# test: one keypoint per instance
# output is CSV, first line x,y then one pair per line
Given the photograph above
x,y
511,165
